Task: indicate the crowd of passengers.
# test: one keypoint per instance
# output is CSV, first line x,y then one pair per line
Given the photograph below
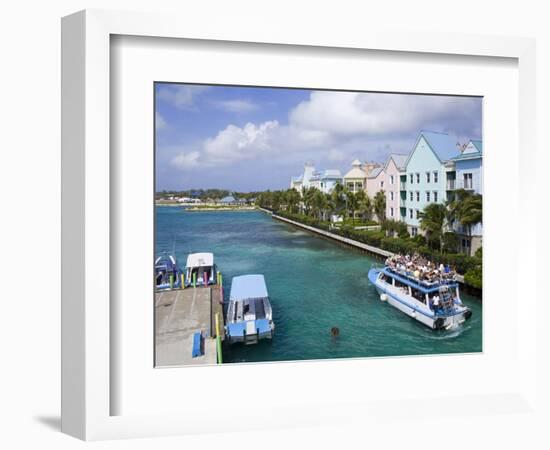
x,y
420,268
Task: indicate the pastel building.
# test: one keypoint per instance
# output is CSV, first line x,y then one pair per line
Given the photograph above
x,y
325,180
468,175
303,180
356,179
424,179
394,169
376,180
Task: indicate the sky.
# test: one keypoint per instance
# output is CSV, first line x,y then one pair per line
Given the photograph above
x,y
253,139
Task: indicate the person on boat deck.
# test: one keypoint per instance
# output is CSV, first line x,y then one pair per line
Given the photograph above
x,y
436,302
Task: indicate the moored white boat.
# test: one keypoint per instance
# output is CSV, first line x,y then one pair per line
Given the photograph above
x,y
200,269
249,315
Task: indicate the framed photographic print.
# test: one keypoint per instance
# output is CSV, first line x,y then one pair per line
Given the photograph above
x,y
309,224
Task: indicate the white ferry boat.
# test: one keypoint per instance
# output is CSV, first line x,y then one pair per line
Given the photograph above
x,y
200,269
436,304
249,316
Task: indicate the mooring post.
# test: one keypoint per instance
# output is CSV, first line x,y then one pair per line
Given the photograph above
x,y
182,281
171,281
194,280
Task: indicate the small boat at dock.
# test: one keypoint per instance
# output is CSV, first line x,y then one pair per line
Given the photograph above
x,y
200,269
167,273
249,315
434,301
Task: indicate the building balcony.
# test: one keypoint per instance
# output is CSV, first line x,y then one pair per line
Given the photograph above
x,y
451,185
403,186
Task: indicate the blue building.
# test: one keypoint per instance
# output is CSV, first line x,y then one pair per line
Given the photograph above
x,y
425,179
325,180
468,175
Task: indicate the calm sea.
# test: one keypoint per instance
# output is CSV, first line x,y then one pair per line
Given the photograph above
x,y
313,284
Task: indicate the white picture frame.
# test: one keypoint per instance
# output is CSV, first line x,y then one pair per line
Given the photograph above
x,y
86,216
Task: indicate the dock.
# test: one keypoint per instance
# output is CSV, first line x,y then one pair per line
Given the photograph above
x,y
179,315
350,242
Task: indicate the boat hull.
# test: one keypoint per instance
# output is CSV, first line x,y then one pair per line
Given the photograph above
x,y
420,313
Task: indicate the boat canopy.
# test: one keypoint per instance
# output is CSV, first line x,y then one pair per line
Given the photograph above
x,y
420,285
248,286
200,260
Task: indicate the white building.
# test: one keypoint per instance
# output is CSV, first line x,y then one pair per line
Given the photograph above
x,y
325,180
303,180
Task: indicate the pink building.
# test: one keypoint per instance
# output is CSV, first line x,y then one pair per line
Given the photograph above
x,y
376,181
395,166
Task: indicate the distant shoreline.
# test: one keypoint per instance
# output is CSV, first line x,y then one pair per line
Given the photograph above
x,y
221,208
197,208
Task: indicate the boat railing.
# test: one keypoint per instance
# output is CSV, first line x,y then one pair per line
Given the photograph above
x,y
408,274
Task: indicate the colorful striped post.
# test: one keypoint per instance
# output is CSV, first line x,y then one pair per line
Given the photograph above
x,y
171,281
205,279
194,280
218,340
183,281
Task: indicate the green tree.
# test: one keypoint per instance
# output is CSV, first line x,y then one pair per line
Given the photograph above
x,y
352,204
292,199
432,221
380,205
364,205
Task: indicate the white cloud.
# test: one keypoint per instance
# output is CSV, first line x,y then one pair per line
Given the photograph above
x,y
160,123
351,113
185,160
236,106
179,95
334,127
336,155
236,143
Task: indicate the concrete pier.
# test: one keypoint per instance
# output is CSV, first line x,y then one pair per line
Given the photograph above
x,y
179,314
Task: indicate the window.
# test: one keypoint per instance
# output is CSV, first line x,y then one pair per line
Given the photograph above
x,y
435,196
417,178
391,179
412,178
411,213
381,184
417,196
391,212
411,192
391,196
427,196
414,231
427,177
359,186
468,181
417,214
435,176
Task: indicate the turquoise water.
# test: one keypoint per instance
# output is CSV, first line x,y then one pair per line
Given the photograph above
x,y
313,284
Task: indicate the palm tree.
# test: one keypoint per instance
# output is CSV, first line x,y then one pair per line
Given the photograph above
x,y
432,221
292,198
364,205
337,197
352,204
380,205
308,199
466,208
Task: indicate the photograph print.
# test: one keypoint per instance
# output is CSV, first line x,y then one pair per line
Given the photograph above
x,y
299,224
